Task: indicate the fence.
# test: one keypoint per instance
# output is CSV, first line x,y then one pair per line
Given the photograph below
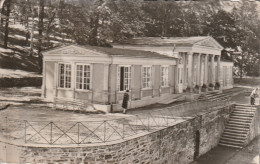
x,y
87,132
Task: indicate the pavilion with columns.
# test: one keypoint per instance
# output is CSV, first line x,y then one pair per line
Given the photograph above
x,y
199,59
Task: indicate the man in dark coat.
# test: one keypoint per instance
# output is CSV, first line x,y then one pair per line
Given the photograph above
x,y
125,101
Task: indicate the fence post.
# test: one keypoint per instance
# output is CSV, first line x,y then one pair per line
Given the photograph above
x,y
123,128
148,126
78,132
25,131
51,132
104,131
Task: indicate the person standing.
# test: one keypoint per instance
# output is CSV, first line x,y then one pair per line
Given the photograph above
x,y
253,95
125,101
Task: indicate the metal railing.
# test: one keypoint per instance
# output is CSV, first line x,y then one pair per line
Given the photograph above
x,y
88,132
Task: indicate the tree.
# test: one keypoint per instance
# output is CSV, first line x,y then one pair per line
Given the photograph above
x,y
6,11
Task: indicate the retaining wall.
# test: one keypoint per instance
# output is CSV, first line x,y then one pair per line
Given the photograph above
x,y
174,144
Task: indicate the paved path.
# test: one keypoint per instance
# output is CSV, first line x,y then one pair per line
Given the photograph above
x,y
223,155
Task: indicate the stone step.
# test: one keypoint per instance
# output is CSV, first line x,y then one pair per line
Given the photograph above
x,y
244,109
231,143
238,124
235,137
240,120
235,134
244,131
232,139
237,128
228,145
242,117
243,112
245,105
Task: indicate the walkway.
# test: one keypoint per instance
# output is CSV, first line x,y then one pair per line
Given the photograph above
x,y
224,155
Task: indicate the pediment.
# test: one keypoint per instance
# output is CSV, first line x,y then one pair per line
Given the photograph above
x,y
74,50
209,42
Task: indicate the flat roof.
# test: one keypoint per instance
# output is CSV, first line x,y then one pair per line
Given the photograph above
x,y
160,41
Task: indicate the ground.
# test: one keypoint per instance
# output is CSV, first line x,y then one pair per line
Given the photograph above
x,y
223,155
38,116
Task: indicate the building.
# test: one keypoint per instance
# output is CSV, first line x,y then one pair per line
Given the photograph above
x,y
199,59
153,69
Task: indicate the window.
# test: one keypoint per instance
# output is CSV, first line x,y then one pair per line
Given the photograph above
x,y
147,77
164,76
64,76
83,77
124,78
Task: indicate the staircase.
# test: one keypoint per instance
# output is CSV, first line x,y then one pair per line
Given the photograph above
x,y
236,131
212,96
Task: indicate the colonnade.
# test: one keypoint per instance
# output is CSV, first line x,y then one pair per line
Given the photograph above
x,y
200,69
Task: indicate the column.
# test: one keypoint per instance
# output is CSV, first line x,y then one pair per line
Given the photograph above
x,y
190,69
206,69
184,69
218,67
198,70
212,70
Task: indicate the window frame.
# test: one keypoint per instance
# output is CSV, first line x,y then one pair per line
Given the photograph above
x,y
164,76
119,77
151,77
90,77
65,76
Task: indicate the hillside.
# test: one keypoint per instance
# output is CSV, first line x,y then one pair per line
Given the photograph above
x,y
16,60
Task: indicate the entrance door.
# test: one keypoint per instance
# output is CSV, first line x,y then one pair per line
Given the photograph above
x,y
180,79
124,78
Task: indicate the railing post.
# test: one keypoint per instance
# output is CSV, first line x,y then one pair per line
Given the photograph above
x,y
123,128
104,131
51,132
25,131
78,132
148,126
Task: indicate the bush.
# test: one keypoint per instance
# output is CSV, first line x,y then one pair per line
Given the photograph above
x,y
204,86
197,86
211,85
217,85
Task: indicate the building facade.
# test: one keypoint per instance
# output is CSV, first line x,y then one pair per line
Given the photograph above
x,y
199,59
152,72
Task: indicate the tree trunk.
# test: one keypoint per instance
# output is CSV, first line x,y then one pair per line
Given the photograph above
x,y
32,35
2,11
8,10
40,28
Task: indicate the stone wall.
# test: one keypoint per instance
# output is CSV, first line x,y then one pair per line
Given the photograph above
x,y
175,144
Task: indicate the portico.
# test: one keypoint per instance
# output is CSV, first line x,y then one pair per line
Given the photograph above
x,y
198,57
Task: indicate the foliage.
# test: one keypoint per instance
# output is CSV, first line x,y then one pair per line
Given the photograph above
x,y
103,22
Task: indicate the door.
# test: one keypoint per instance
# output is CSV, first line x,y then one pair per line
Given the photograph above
x,y
180,79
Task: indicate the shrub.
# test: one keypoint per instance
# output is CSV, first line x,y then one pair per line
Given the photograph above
x,y
204,86
197,86
211,85
217,85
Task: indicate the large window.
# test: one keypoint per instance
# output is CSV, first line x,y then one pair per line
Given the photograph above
x,y
124,78
164,76
64,76
83,77
147,77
